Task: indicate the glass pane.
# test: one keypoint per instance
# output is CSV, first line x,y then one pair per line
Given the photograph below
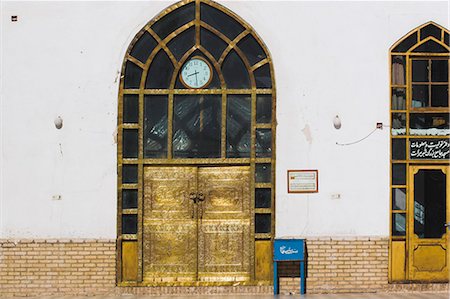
x,y
420,97
143,47
221,21
399,224
130,108
235,72
398,70
155,126
406,43
263,173
429,203
238,126
264,108
130,143
174,20
262,77
182,43
398,174
430,148
398,149
263,143
212,43
398,124
430,30
129,199
431,124
262,223
399,199
197,126
129,174
129,224
439,70
420,71
446,39
398,99
160,71
263,198
133,75
430,47
252,49
439,95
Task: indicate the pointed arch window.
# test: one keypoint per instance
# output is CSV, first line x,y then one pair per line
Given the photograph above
x,y
228,121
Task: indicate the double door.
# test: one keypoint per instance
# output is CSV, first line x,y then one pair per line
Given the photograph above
x,y
196,225
428,239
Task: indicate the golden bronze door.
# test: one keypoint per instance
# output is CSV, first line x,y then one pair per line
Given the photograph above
x,y
197,224
428,237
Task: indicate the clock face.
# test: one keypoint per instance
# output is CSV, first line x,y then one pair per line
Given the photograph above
x,y
196,73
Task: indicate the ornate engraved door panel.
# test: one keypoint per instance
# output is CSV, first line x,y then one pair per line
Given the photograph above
x,y
429,201
224,224
170,224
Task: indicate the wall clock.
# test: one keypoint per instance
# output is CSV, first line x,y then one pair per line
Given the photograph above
x,y
196,73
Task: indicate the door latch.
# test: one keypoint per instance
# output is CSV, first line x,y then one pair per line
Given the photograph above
x,y
447,224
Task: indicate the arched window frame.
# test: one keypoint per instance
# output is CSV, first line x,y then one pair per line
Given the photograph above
x,y
400,111
130,244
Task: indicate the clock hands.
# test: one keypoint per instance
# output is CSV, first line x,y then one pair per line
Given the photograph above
x,y
196,80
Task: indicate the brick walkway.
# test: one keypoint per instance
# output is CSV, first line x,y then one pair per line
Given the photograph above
x,y
307,296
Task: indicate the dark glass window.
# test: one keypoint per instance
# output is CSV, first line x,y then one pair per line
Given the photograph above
x,y
130,143
264,108
263,173
420,71
398,174
420,96
177,18
129,174
430,30
212,43
221,21
263,143
398,149
398,99
399,224
197,126
182,43
399,199
398,124
429,124
439,95
262,223
143,47
262,77
238,126
439,70
429,203
263,198
431,47
398,70
406,43
129,224
446,39
133,75
129,199
155,126
252,49
130,108
160,71
234,71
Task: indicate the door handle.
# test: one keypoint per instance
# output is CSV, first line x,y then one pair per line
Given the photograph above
x,y
447,224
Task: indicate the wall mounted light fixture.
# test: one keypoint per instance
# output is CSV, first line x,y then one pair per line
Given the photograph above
x,y
337,122
58,122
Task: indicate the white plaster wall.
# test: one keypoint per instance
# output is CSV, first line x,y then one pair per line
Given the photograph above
x,y
63,58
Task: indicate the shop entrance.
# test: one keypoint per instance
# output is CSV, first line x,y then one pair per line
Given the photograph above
x,y
428,237
196,224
